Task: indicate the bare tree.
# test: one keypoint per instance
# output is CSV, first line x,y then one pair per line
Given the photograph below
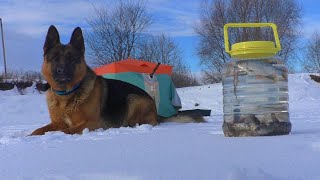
x,y
115,32
161,49
164,50
119,33
312,59
286,14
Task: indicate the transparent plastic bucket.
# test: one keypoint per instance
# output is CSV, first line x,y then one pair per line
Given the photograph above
x,y
255,98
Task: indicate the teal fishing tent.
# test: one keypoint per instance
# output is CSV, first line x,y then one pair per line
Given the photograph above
x,y
153,78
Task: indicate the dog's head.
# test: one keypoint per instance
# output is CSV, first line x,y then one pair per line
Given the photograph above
x,y
64,65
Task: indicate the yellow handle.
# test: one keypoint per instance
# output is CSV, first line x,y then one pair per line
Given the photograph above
x,y
241,25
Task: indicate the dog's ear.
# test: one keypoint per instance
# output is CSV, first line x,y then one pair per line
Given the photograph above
x,y
77,39
52,39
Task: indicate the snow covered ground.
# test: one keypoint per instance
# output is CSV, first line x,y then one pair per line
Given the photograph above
x,y
168,151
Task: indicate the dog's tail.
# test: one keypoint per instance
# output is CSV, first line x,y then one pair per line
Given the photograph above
x,y
185,117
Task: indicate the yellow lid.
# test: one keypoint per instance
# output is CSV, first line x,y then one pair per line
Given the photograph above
x,y
252,49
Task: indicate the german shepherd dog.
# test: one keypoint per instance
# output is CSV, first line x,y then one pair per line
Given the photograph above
x,y
80,99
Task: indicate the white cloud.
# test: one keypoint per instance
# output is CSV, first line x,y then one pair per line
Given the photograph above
x,y
176,18
22,51
33,17
26,22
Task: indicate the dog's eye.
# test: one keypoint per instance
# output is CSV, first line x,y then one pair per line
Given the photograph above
x,y
75,59
70,57
54,58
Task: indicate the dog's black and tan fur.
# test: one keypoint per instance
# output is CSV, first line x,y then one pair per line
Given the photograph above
x,y
97,102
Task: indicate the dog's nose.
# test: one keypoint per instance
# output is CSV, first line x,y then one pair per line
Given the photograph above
x,y
60,70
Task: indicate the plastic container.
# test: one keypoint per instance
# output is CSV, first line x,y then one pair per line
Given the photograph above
x,y
255,87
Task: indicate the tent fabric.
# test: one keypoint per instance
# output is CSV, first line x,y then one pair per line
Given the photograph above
x,y
133,65
160,87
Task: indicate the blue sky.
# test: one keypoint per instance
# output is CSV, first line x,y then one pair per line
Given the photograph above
x,y
26,22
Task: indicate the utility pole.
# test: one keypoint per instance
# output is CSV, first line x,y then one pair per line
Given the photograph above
x,y
4,51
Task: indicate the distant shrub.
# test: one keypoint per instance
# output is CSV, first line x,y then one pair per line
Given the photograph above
x,y
184,80
42,87
211,78
19,78
315,78
4,86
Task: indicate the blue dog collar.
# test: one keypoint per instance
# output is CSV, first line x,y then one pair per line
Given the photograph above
x,y
64,93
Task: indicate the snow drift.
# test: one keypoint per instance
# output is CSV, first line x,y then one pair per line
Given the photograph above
x,y
168,151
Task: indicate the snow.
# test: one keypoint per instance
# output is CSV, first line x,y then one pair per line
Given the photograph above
x,y
167,151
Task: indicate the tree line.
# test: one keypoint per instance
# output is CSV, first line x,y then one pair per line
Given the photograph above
x,y
121,32
286,14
